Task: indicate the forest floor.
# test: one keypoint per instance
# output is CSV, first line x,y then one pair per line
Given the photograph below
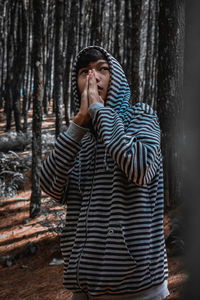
x,y
27,248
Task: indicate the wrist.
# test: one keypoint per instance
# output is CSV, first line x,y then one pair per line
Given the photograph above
x,y
81,120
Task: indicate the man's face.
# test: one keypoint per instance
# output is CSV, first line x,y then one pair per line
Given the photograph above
x,y
102,75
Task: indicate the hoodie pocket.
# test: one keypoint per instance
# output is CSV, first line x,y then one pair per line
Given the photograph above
x,y
111,267
116,243
118,263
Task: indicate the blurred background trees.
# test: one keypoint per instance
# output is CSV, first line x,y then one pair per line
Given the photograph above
x,y
38,43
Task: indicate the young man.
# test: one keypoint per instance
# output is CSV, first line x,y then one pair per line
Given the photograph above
x,y
107,167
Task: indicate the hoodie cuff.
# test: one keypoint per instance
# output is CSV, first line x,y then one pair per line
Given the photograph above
x,y
76,132
93,108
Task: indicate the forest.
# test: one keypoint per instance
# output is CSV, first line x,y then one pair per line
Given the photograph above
x,y
157,46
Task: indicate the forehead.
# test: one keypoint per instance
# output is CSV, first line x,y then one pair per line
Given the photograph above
x,y
97,63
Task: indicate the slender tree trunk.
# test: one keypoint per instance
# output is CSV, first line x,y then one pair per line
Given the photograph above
x,y
135,46
58,69
25,45
127,49
70,51
151,57
18,67
4,52
81,24
1,49
117,30
37,108
10,61
170,84
95,23
106,20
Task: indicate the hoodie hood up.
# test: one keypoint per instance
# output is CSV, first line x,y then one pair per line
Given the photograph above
x,y
118,93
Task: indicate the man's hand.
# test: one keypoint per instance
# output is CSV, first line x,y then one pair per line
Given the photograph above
x,y
93,95
82,118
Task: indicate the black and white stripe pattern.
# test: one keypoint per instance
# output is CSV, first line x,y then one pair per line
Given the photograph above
x,y
113,241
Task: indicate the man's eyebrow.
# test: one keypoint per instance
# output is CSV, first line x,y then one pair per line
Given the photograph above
x,y
102,62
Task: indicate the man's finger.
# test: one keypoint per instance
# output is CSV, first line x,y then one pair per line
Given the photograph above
x,y
101,100
86,84
92,79
85,91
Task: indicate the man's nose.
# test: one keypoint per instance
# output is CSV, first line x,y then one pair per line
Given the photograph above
x,y
97,75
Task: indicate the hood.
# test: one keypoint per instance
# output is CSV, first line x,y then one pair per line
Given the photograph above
x,y
118,93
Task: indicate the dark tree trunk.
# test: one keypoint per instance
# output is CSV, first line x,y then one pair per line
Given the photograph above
x,y
127,49
69,53
81,24
150,76
117,31
25,45
45,54
135,46
10,60
169,103
29,60
2,37
19,67
58,65
108,21
191,149
37,108
95,23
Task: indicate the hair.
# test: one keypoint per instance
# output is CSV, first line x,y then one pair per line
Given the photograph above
x,y
89,55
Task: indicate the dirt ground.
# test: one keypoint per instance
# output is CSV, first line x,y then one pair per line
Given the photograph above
x,y
30,276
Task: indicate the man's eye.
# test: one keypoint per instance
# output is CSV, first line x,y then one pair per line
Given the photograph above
x,y
84,72
105,69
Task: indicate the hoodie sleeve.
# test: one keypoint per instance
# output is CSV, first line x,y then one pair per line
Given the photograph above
x,y
136,150
59,164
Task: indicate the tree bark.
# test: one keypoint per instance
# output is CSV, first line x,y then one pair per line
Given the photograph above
x,y
69,54
151,57
95,38
170,85
117,30
191,149
58,65
25,45
135,43
10,60
37,108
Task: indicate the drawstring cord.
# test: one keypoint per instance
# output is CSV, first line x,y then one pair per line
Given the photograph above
x,y
86,221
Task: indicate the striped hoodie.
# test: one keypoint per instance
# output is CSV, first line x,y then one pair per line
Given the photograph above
x,y
111,179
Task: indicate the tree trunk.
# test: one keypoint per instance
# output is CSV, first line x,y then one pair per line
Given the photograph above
x,y
170,84
18,66
191,149
151,56
58,69
117,30
69,52
2,37
95,38
10,61
135,43
25,45
37,108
